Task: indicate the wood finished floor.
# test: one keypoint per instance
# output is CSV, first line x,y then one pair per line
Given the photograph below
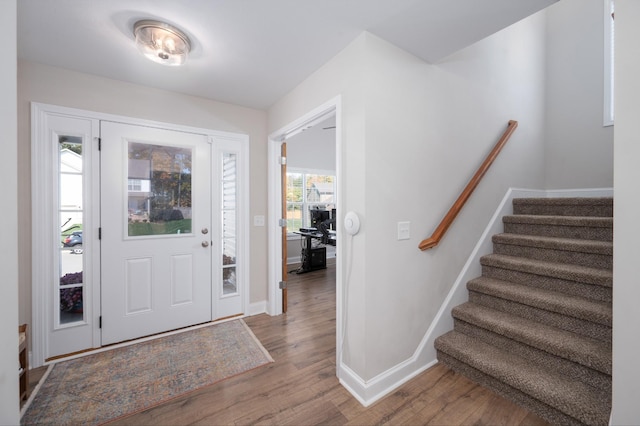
x,y
301,388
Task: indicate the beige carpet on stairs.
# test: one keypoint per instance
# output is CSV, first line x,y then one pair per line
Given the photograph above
x,y
537,326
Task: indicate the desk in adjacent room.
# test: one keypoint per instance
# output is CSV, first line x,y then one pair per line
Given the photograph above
x,y
314,258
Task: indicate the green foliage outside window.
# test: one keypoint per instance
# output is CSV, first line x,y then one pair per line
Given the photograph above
x,y
304,191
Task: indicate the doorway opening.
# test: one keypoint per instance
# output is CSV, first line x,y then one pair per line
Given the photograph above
x,y
323,119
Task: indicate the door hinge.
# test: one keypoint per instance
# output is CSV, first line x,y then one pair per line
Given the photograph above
x,y
282,285
283,161
282,223
99,233
100,321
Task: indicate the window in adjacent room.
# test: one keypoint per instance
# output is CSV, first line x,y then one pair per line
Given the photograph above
x,y
308,190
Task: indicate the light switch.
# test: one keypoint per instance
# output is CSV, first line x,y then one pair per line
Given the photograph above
x,y
404,230
258,221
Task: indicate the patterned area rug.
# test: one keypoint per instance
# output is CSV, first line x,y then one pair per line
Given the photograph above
x,y
103,386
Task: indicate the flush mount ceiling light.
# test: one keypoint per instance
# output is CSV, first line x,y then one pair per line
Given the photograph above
x,y
161,42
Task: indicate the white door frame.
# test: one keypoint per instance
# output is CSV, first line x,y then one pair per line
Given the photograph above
x,y
42,264
45,229
274,295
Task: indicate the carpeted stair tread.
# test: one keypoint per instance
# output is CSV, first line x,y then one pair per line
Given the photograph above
x,y
498,268
584,227
538,324
593,253
555,243
595,222
550,414
577,273
578,206
569,323
565,201
551,362
582,350
580,401
577,307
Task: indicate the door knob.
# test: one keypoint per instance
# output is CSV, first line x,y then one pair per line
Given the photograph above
x,y
205,231
205,244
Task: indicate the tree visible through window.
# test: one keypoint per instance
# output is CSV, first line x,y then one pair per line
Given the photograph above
x,y
308,191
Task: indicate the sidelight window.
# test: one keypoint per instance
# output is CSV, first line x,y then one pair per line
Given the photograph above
x,y
229,223
70,286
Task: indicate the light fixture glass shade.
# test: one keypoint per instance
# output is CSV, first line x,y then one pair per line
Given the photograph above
x,y
161,42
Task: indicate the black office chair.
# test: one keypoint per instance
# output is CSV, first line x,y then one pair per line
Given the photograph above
x,y
324,229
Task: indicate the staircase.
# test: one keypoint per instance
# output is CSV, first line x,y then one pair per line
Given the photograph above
x,y
537,326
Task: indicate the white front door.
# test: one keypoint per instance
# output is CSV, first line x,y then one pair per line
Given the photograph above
x,y
156,230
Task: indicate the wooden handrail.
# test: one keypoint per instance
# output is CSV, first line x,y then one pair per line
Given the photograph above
x,y
437,235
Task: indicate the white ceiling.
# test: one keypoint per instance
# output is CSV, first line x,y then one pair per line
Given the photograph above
x,y
249,52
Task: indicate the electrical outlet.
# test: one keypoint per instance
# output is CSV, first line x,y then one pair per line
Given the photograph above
x,y
258,221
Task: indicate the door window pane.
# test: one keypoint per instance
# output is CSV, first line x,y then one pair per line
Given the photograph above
x,y
229,251
229,284
159,190
229,223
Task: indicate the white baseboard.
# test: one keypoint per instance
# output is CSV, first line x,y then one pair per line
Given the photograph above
x,y
586,192
369,391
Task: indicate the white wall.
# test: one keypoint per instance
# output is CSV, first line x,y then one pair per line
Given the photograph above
x,y
579,149
313,149
58,86
9,401
428,129
342,75
413,135
626,291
